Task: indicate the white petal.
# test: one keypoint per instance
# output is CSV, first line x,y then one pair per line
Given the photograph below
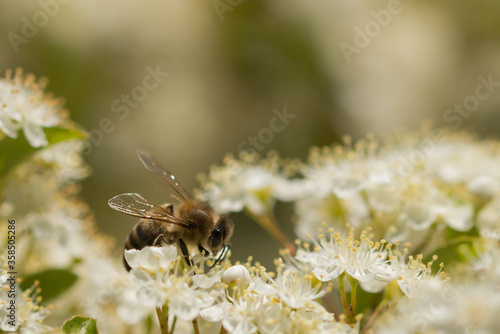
x,y
305,257
151,258
203,281
8,127
483,185
140,275
460,217
215,313
184,307
34,135
346,187
408,287
239,326
362,274
420,216
373,286
327,275
132,257
262,288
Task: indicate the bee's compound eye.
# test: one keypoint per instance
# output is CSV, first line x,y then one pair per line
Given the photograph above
x,y
215,239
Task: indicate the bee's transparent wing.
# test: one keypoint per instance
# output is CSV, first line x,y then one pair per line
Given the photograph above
x,y
134,204
155,169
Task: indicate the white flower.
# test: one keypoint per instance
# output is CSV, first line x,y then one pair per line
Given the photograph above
x,y
24,105
316,320
361,259
401,187
244,315
66,159
128,309
409,271
28,315
161,282
373,264
294,290
440,307
247,184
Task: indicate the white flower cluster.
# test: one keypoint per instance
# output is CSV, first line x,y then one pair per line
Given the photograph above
x,y
247,183
414,184
373,264
409,187
20,309
470,305
243,299
246,299
24,105
54,227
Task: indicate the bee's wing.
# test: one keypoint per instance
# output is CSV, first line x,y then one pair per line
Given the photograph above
x,y
135,205
155,169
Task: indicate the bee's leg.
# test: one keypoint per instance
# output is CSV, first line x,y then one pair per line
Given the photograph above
x,y
185,252
158,240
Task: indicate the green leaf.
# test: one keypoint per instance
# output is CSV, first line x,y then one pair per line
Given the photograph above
x,y
80,325
365,301
52,281
15,151
457,250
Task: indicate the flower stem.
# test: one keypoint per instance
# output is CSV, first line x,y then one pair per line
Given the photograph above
x,y
343,295
375,314
268,222
352,307
173,325
195,326
162,320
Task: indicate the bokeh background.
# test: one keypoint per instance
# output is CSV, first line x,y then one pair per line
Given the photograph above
x,y
231,62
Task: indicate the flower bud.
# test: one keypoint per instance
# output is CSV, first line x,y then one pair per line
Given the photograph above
x,y
238,274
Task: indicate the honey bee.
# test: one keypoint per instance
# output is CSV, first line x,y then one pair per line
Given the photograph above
x,y
192,226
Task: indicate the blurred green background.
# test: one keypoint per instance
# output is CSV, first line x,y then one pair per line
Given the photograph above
x,y
341,67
